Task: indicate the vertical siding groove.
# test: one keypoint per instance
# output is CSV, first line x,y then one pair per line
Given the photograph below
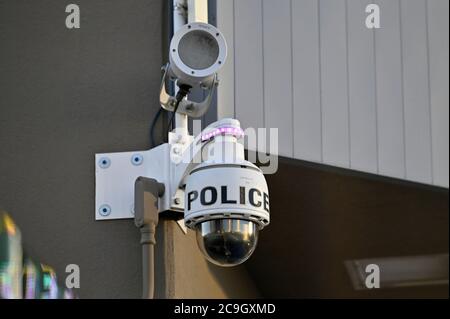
x,y
402,67
438,63
429,90
248,71
361,89
348,87
292,80
306,80
234,54
334,83
263,63
377,146
390,110
416,91
277,51
320,81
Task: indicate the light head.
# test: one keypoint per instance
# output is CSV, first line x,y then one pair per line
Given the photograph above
x,y
197,51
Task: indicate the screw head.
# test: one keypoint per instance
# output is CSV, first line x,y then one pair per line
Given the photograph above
x,y
177,201
104,210
137,159
104,162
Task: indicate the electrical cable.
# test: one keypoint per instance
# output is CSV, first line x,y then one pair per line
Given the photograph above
x,y
152,127
169,34
148,269
146,216
181,94
148,242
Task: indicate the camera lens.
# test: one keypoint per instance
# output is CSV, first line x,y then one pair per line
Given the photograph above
x,y
198,49
227,242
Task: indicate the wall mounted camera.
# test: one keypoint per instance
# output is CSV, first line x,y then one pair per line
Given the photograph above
x,y
224,198
197,52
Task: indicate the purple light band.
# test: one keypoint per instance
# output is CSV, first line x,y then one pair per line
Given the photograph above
x,y
235,131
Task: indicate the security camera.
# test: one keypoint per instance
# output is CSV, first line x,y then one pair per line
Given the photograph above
x,y
197,52
226,198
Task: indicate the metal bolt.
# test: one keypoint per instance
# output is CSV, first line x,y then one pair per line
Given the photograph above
x,y
177,201
104,210
104,162
137,159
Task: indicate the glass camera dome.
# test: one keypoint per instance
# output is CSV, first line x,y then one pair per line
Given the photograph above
x,y
227,242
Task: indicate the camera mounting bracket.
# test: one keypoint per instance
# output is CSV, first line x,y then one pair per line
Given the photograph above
x,y
169,163
190,108
115,176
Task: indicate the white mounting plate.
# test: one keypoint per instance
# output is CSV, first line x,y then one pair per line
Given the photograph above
x,y
115,174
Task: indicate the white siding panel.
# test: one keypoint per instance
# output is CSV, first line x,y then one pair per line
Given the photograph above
x,y
438,26
225,96
416,91
391,145
362,96
249,63
306,80
333,43
375,100
278,71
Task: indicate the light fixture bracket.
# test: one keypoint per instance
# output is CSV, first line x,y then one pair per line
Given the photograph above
x,y
187,107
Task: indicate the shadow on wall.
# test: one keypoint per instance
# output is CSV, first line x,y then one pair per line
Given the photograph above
x,y
192,276
229,287
324,216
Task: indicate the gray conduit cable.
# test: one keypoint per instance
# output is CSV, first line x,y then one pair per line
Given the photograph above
x,y
148,260
146,194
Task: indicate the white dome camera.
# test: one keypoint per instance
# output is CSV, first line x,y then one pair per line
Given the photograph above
x,y
226,199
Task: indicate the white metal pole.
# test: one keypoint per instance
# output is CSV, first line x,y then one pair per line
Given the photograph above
x,y
180,19
197,11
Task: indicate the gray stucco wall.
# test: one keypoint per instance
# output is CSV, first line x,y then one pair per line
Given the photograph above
x,y
65,95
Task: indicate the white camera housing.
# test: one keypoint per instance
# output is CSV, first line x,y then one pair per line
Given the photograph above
x,y
226,198
197,51
232,190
